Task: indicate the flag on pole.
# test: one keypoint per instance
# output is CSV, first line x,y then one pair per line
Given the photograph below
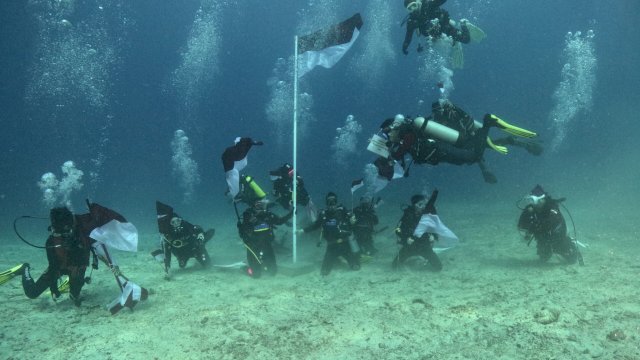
x,y
327,46
356,184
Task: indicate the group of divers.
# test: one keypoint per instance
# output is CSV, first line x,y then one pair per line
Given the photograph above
x,y
77,242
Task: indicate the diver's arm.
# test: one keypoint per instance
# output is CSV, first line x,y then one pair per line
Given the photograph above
x,y
408,36
315,225
166,248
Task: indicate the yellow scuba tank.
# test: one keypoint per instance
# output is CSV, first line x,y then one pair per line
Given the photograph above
x,y
255,187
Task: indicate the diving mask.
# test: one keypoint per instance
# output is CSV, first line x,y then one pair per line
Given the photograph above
x,y
176,222
533,200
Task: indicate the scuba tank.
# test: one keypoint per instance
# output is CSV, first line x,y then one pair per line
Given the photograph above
x,y
430,127
255,187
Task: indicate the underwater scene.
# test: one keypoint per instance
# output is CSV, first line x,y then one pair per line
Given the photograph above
x,y
319,179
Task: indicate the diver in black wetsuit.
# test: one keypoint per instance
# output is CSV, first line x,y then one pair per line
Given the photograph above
x,y
68,252
256,230
283,187
423,138
336,225
365,219
542,220
431,21
422,246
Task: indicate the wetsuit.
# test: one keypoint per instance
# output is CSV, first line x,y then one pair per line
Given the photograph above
x,y
366,219
547,226
67,255
432,21
336,230
185,242
426,150
421,246
283,191
256,230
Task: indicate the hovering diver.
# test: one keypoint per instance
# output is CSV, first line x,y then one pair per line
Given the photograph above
x,y
427,19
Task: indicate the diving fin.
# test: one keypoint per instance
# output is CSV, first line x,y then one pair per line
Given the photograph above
x,y
209,234
63,286
475,33
511,129
11,273
457,56
501,149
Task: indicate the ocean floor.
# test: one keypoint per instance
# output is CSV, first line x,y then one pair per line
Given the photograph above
x,y
493,300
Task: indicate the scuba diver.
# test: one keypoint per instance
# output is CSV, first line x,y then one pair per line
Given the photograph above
x,y
283,187
336,225
427,19
413,245
72,241
542,220
68,252
181,239
282,179
428,141
256,230
364,219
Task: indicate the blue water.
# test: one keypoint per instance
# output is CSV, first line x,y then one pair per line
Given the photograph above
x,y
127,120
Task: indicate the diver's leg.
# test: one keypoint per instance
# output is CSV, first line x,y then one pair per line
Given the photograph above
x,y
76,281
451,154
330,256
544,250
434,261
269,259
202,256
404,253
567,249
33,289
531,146
488,176
255,266
352,258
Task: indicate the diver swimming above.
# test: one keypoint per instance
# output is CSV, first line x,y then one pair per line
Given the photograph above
x,y
427,19
461,140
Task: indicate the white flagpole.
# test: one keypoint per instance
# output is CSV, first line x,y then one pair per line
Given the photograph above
x,y
294,195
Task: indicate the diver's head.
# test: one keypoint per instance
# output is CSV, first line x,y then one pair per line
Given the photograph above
x,y
419,202
176,222
413,5
366,201
260,205
398,120
61,221
536,198
331,200
286,170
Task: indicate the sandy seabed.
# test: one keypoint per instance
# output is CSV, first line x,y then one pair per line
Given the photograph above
x,y
493,300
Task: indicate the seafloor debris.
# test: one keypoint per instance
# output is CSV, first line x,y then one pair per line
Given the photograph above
x,y
616,335
546,316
